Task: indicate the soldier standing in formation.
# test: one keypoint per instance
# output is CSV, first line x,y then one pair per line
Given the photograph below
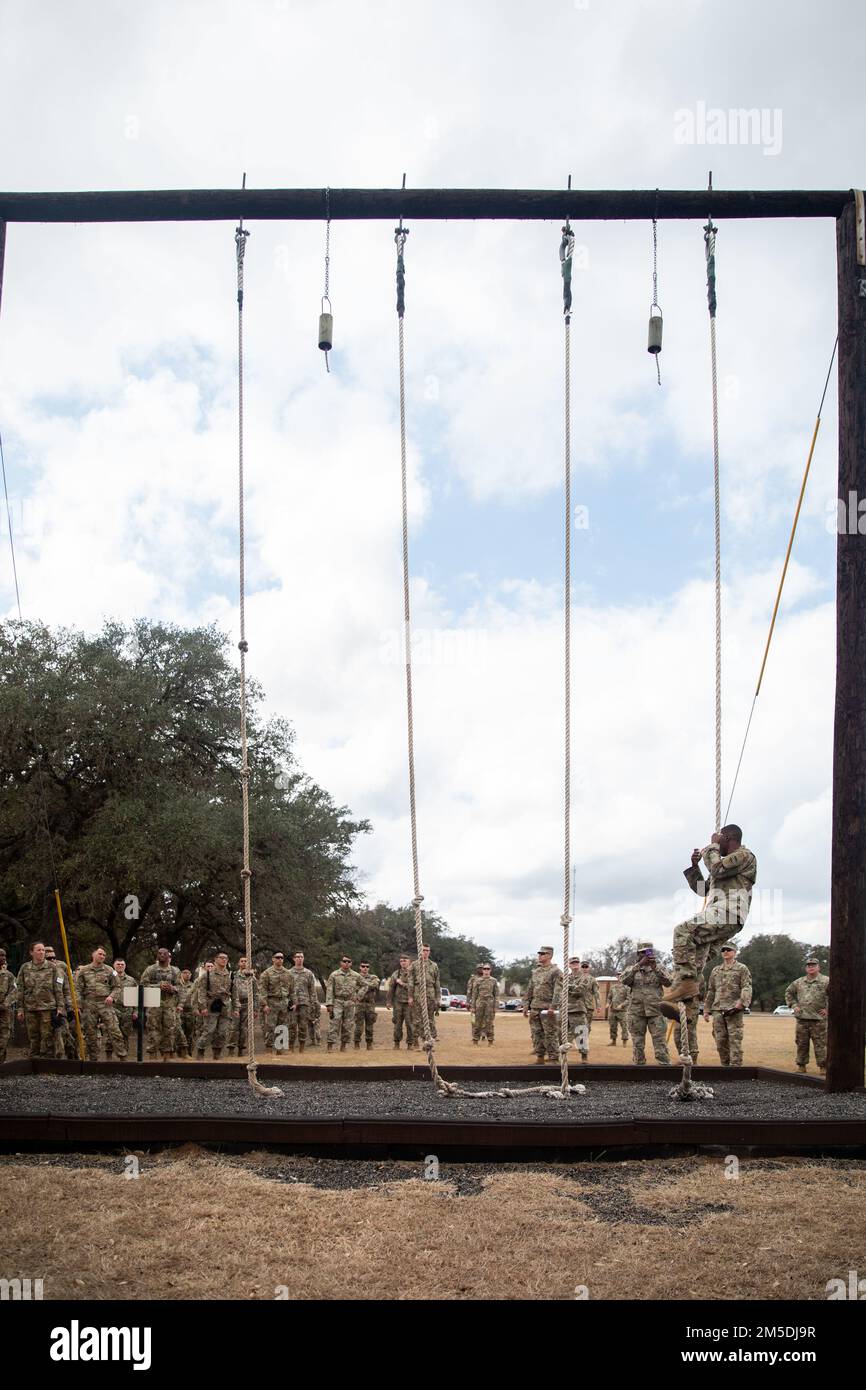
x,y
126,1016
94,985
8,993
185,1037
64,1043
538,1005
341,991
216,1002
303,1020
433,993
483,1005
275,991
40,1000
473,981
727,894
618,1012
808,996
246,985
729,993
580,1001
160,1023
365,1008
646,979
587,974
399,985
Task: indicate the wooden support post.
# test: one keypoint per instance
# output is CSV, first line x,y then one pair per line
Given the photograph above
x,y
2,256
847,1013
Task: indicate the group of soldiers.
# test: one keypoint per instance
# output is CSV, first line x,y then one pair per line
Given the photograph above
x,y
635,1007
213,1010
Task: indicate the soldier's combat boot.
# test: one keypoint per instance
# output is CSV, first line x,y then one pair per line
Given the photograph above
x,y
539,1061
800,1068
584,1057
330,1047
489,1042
217,1053
343,1047
357,1047
396,1047
167,1056
291,1047
685,989
475,1042
612,1042
625,1042
369,1047
300,1047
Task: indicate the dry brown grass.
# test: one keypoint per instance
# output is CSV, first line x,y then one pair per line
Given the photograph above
x,y
196,1226
769,1042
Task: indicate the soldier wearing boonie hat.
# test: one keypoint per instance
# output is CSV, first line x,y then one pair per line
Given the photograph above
x,y
538,1006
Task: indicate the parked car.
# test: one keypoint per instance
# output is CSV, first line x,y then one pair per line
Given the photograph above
x,y
513,1006
783,1011
445,999
458,1001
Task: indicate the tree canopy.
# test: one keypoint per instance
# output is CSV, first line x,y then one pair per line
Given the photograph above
x,y
128,745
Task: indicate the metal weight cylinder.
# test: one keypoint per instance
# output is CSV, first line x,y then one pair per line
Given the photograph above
x,y
326,332
654,336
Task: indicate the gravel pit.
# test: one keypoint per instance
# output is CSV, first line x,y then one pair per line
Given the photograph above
x,y
411,1099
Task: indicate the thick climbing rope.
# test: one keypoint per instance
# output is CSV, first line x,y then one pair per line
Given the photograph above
x,y
246,873
447,1088
710,250
686,1088
783,575
566,251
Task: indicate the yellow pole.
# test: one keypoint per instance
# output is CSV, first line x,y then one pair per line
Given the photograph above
x,y
69,974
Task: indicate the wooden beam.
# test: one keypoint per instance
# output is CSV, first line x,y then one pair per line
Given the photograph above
x,y
2,256
847,1012
308,204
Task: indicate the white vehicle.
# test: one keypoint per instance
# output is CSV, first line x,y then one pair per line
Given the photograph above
x,y
783,1011
445,999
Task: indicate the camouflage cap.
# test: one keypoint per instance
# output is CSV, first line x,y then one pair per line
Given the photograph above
x,y
645,946
544,951
728,946
812,960
574,960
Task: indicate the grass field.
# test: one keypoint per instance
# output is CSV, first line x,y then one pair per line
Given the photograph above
x,y
769,1042
257,1226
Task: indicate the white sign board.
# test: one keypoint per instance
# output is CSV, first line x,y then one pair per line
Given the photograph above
x,y
130,996
152,996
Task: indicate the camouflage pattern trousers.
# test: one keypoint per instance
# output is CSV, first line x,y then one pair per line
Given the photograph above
x,y
814,1030
728,1033
417,1021
300,1024
365,1021
342,1021
216,1030
640,1025
43,1039
484,1021
160,1027
126,1025
5,1029
97,1014
184,1038
578,1030
618,1018
277,1016
693,938
544,1033
402,1015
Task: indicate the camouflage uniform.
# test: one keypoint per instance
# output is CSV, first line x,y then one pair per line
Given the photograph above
x,y
40,995
434,996
810,997
693,1011
214,987
8,994
398,1001
728,986
646,983
470,986
341,992
617,1013
484,998
94,985
184,1038
123,1013
596,997
539,996
239,1035
304,1018
160,1024
276,992
365,1009
581,1000
727,894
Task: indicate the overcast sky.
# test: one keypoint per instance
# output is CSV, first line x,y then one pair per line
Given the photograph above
x,y
118,400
